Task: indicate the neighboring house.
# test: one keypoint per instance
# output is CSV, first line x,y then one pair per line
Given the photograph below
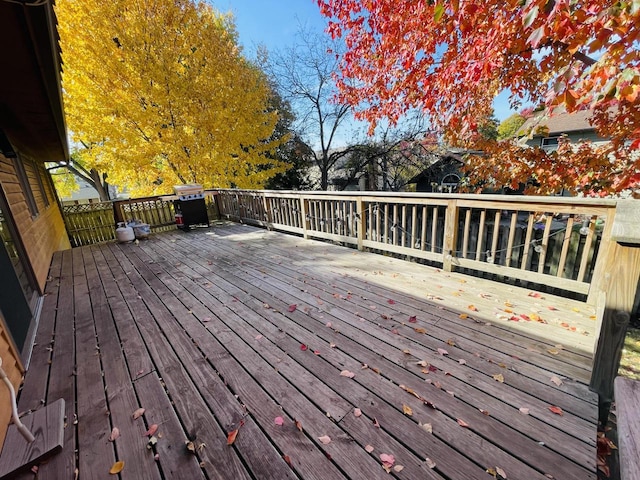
x,y
32,132
543,132
443,175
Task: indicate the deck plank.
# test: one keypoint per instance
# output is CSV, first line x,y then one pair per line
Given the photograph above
x,y
526,448
198,328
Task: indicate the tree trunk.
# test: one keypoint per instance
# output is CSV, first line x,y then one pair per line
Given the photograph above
x,y
100,185
324,178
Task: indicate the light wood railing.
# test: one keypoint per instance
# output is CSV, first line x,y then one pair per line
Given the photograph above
x,y
552,241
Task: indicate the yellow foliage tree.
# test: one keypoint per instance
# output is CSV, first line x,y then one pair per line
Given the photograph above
x,y
160,94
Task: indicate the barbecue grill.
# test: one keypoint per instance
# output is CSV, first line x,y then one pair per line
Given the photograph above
x,y
189,206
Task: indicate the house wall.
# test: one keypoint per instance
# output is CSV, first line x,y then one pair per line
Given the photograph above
x,y
41,235
574,137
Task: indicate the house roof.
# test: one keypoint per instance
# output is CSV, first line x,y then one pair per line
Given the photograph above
x,y
560,123
31,113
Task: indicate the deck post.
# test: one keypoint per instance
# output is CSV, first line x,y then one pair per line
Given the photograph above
x,y
360,222
621,273
304,210
450,235
268,219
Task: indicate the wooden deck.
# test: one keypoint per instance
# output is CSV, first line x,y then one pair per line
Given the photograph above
x,y
232,327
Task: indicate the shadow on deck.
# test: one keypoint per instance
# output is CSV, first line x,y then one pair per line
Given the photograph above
x,y
232,328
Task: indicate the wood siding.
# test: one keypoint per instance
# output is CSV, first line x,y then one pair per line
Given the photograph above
x,y
12,366
42,234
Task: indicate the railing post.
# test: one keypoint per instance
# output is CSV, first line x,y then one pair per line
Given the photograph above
x,y
450,235
620,275
267,211
304,210
360,223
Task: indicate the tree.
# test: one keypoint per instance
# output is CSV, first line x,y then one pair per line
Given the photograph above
x,y
451,58
510,126
65,176
304,75
160,94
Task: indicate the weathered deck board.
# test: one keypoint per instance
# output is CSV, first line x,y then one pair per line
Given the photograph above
x,y
197,329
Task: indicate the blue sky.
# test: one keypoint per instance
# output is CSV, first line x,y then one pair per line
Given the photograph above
x,y
274,23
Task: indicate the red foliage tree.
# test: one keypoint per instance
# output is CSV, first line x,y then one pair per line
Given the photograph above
x,y
450,58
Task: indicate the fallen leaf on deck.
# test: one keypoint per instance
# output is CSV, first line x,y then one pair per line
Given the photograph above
x,y
451,342
303,347
347,373
462,361
328,324
432,368
332,345
357,412
406,351
442,351
117,467
115,433
552,308
138,413
391,302
413,319
426,427
287,459
325,439
430,463
316,352
231,436
298,424
473,308
498,377
266,305
258,337
376,423
463,316
501,472
575,309
387,459
278,421
152,429
462,423
556,380
292,308
406,409
395,331
556,410
524,410
484,412
369,448
552,351
535,295
420,330
398,468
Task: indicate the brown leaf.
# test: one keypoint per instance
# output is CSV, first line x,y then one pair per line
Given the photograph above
x,y
117,467
473,308
231,436
420,330
375,423
498,377
287,459
462,423
298,425
556,410
406,409
451,342
115,433
556,380
484,412
138,413
152,429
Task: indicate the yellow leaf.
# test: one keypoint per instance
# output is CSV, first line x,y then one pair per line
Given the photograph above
x,y
406,409
116,467
498,377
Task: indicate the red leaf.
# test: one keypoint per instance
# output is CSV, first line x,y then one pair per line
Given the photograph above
x,y
556,410
391,302
303,347
292,308
231,437
152,429
413,319
462,423
287,459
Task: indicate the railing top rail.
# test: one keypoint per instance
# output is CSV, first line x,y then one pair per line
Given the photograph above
x,y
507,199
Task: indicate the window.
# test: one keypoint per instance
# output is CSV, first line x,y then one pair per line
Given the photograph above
x,y
26,186
550,143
